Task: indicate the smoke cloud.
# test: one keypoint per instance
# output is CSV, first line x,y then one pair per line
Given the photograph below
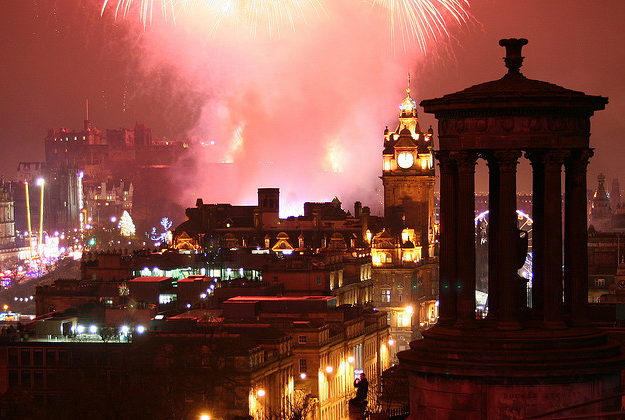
x,y
303,111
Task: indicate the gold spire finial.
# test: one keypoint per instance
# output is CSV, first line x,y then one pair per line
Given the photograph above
x,y
408,88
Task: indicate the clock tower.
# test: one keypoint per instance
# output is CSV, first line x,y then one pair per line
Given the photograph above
x,y
408,177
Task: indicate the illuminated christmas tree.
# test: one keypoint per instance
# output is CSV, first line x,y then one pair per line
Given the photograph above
x,y
126,225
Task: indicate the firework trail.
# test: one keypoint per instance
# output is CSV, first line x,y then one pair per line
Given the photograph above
x,y
422,21
274,14
419,21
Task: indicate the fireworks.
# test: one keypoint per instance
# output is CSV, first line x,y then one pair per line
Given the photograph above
x,y
144,8
273,14
420,21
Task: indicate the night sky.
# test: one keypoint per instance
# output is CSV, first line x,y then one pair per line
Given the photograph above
x,y
303,111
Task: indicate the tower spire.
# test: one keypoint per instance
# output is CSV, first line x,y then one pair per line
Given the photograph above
x,y
408,88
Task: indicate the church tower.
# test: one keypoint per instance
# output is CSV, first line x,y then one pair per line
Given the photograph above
x,y
408,177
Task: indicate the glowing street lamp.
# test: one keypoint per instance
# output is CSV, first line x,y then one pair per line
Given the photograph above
x,y
30,229
260,393
205,417
40,183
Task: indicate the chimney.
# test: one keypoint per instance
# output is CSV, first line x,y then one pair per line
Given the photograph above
x,y
357,209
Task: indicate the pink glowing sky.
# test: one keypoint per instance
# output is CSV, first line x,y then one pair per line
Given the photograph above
x,y
277,108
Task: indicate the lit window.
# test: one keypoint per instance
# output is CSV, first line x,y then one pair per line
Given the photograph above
x,y
386,295
403,319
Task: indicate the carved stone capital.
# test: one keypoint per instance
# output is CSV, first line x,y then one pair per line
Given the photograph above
x,y
578,159
550,159
445,162
465,160
554,158
507,160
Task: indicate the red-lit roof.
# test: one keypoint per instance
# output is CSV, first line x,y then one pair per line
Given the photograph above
x,y
192,279
149,279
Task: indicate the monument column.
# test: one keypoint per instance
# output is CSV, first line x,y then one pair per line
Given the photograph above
x,y
507,240
493,230
576,237
538,232
448,252
465,237
553,306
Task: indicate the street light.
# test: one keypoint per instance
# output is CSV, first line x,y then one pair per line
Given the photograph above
x,y
30,239
205,417
40,183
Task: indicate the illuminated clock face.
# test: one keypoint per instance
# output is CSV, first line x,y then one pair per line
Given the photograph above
x,y
405,160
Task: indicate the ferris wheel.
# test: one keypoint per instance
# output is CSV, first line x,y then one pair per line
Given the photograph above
x,y
524,222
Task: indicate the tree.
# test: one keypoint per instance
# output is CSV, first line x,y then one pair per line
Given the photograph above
x,y
126,225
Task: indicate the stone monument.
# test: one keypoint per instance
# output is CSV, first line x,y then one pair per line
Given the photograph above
x,y
527,357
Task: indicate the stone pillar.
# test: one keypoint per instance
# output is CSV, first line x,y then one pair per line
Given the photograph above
x,y
493,236
448,252
465,238
507,241
538,232
553,305
576,238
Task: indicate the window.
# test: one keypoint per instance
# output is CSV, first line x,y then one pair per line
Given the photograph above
x,y
599,282
318,280
38,357
13,356
26,378
38,379
302,339
403,319
51,378
50,357
400,292
166,298
25,357
386,294
302,365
